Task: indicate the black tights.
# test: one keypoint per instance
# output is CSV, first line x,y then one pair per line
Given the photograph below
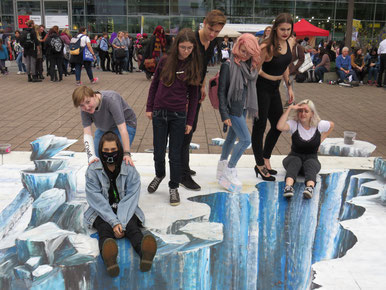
x,y
132,232
271,108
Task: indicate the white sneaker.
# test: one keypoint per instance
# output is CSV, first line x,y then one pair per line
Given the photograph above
x,y
229,180
320,82
220,168
19,72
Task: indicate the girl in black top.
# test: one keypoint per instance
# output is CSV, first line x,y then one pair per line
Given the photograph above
x,y
276,56
308,132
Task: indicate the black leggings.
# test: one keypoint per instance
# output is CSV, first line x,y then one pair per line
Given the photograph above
x,y
271,108
305,164
132,232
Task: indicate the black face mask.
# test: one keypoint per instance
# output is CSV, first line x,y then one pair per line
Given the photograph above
x,y
110,157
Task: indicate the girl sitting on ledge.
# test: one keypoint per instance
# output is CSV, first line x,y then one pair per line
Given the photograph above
x,y
308,132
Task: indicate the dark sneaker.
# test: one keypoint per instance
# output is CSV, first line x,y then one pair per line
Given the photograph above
x,y
174,196
192,172
153,186
308,191
190,184
109,254
288,191
148,249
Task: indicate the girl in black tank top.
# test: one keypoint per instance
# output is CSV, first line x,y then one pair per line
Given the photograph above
x,y
268,95
307,130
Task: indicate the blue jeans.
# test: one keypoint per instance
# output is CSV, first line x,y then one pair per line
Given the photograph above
x,y
20,64
87,67
342,75
319,72
373,73
239,129
98,135
168,124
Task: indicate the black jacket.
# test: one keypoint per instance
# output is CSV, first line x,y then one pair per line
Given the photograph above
x,y
235,108
32,50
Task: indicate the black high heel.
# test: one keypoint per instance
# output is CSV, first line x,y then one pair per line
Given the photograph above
x,y
272,171
265,171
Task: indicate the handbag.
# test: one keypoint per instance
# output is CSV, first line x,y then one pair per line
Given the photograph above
x,y
150,64
225,53
87,55
307,64
120,53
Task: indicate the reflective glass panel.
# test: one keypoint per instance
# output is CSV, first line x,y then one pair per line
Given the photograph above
x,y
106,7
156,7
28,8
6,7
77,7
56,7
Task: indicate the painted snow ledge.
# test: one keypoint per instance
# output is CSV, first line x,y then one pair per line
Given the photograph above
x,y
205,166
364,265
336,147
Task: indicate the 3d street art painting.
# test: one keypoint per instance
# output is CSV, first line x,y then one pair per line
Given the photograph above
x,y
214,240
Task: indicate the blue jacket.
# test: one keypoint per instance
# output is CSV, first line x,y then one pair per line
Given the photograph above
x,y
4,53
340,62
97,194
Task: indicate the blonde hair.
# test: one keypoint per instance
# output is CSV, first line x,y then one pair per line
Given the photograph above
x,y
80,94
66,31
36,28
315,119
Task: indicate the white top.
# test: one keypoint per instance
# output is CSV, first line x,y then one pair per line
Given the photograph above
x,y
306,135
382,47
85,39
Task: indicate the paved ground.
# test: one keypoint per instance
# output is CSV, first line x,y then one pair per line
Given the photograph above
x,y
30,110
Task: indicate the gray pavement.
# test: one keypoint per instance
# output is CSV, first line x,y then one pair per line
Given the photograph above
x,y
30,110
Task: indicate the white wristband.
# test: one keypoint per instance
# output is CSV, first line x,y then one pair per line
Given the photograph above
x,y
89,147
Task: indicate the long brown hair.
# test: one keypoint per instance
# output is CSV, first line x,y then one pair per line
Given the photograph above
x,y
192,67
271,41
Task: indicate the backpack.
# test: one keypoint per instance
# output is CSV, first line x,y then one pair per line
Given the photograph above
x,y
75,45
56,44
27,40
213,90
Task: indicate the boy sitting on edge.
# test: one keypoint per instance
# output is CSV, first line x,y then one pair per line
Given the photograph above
x,y
112,192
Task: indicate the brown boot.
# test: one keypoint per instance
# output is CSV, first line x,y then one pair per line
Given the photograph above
x,y
148,249
109,254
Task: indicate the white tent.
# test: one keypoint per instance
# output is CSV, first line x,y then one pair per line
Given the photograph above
x,y
228,31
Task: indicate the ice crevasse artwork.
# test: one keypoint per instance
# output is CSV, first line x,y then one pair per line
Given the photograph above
x,y
256,239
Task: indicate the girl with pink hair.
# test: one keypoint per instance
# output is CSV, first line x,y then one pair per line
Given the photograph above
x,y
237,100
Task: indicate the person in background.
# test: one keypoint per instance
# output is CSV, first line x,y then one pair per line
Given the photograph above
x,y
78,59
343,67
66,38
171,105
296,62
112,52
54,51
94,45
267,32
237,99
358,64
382,66
42,36
41,54
130,66
304,43
19,53
3,57
155,48
119,45
225,49
113,209
372,63
30,44
323,66
104,52
308,132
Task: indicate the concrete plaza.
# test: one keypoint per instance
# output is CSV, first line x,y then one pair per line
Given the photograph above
x,y
30,110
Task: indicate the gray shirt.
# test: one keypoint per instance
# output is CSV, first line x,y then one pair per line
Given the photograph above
x,y
112,111
122,42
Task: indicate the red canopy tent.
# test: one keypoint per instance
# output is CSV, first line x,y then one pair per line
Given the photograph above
x,y
304,28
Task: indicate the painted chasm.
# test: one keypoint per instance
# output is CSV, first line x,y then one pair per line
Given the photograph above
x,y
254,240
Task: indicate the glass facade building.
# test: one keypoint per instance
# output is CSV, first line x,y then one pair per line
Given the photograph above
x,y
144,15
